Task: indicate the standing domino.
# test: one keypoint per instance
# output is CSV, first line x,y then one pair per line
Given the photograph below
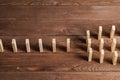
x,y
40,45
113,45
101,44
54,45
115,57
68,44
112,33
27,42
87,35
14,45
90,55
88,44
1,46
100,33
101,56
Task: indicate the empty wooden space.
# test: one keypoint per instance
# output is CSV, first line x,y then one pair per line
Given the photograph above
x,y
41,21
60,75
61,2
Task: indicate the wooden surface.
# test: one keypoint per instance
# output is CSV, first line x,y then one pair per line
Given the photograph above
x,y
60,19
61,2
60,75
67,20
59,62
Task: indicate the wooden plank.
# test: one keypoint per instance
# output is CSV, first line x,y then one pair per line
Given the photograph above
x,y
19,20
25,27
33,18
61,2
45,13
60,62
60,75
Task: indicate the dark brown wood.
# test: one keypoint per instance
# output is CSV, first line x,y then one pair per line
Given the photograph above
x,y
20,62
60,19
67,20
60,75
61,2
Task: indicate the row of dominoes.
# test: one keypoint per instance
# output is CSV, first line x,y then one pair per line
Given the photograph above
x,y
88,43
101,45
27,42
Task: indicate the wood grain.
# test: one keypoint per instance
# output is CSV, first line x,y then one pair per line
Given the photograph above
x,y
60,75
61,2
53,62
61,13
67,20
60,19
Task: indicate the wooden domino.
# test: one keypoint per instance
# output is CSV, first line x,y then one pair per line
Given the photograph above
x,y
115,57
88,44
27,42
101,56
101,44
68,44
112,33
1,46
113,45
90,53
87,35
54,44
40,45
100,33
14,45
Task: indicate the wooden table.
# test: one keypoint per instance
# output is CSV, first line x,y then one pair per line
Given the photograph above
x,y
60,19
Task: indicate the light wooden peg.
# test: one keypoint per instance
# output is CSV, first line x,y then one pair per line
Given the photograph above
x,y
113,45
100,33
101,56
1,46
14,45
115,57
90,55
101,44
68,44
87,35
112,33
88,44
54,45
27,45
40,45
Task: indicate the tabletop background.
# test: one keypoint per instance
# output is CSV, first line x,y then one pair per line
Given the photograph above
x,y
60,19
